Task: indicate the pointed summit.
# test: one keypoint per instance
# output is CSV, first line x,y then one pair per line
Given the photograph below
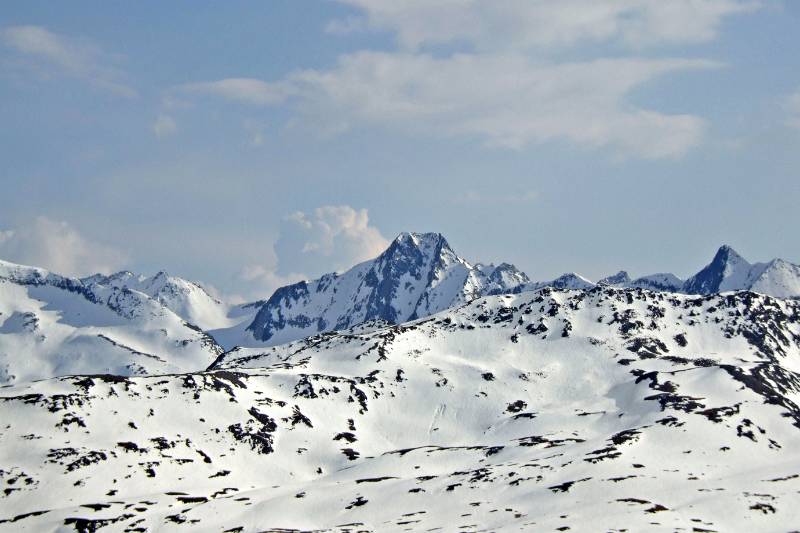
x,y
727,254
418,246
506,274
727,271
419,239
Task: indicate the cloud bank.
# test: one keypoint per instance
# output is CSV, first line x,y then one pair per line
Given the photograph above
x,y
536,24
502,84
58,247
47,54
311,244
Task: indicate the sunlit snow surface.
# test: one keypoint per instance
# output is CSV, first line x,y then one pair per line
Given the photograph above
x,y
56,326
597,410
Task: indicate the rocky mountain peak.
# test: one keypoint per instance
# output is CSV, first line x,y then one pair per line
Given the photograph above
x,y
418,248
619,278
417,275
727,271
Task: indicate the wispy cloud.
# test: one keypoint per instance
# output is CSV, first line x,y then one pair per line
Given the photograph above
x,y
262,280
527,24
332,237
497,84
59,247
245,90
47,54
504,100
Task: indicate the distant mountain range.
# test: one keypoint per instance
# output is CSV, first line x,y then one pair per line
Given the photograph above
x,y
420,274
515,406
131,324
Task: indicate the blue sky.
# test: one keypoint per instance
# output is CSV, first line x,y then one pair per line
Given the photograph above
x,y
249,144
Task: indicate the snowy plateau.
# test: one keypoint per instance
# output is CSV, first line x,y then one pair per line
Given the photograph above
x,y
414,392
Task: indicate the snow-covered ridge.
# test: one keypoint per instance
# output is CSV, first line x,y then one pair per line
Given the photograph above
x,y
132,324
728,271
53,325
185,298
594,410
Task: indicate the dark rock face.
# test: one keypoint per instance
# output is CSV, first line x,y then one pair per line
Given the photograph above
x,y
270,317
708,280
404,257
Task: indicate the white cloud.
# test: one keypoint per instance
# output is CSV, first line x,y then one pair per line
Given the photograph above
x,y
503,88
504,100
508,101
245,90
58,247
264,280
164,126
331,238
527,24
48,53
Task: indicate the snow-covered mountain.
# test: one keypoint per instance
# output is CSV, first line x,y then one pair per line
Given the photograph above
x,y
655,282
570,280
52,325
620,279
729,271
186,299
418,275
664,281
604,409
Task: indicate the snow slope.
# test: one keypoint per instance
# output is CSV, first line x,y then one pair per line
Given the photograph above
x,y
596,410
778,278
419,274
51,325
186,299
